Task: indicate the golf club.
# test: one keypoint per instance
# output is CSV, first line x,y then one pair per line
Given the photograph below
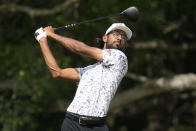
x,y
130,13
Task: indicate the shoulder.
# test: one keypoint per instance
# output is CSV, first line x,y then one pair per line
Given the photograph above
x,y
114,53
114,57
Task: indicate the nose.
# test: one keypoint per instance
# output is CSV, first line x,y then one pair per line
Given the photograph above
x,y
119,37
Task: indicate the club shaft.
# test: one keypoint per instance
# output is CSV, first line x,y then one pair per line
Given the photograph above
x,y
84,22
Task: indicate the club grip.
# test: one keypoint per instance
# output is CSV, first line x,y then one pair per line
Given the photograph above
x,y
65,27
55,29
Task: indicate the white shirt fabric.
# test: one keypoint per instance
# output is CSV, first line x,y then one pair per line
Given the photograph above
x,y
98,84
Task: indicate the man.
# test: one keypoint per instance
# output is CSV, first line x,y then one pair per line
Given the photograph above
x,y
97,83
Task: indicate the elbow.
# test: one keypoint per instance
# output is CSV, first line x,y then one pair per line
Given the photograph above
x,y
55,71
56,74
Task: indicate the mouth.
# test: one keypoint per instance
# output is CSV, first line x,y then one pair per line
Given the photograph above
x,y
116,43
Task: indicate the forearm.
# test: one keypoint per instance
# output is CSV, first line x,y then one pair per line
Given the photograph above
x,y
74,45
49,58
71,44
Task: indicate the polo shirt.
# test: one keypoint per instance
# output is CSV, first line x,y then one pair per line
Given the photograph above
x,y
98,84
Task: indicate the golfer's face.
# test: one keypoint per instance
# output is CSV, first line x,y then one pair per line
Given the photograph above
x,y
116,39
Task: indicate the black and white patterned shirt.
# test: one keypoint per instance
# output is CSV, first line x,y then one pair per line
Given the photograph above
x,y
98,84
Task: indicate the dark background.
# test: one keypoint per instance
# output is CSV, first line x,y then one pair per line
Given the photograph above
x,y
162,46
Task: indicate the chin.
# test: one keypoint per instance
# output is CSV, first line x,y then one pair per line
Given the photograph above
x,y
111,48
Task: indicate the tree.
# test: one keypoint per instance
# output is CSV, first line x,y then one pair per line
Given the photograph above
x,y
158,92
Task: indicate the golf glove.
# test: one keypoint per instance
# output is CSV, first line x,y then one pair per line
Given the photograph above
x,y
40,33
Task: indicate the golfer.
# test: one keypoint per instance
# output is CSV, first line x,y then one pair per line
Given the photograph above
x,y
97,83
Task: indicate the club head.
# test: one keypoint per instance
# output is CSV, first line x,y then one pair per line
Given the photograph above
x,y
131,13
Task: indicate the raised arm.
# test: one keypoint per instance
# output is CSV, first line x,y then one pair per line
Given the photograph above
x,y
74,45
56,71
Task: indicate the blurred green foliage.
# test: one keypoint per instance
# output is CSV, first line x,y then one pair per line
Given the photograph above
x,y
30,99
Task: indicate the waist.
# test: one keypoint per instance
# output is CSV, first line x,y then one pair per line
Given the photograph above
x,y
86,120
94,109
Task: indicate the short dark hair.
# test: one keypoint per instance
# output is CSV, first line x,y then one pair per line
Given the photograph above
x,y
100,43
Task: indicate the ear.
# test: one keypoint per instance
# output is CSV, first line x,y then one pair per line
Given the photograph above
x,y
105,38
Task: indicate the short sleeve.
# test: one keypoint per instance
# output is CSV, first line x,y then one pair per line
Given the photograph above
x,y
82,70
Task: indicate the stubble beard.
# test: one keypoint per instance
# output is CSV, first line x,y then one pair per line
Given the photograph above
x,y
111,46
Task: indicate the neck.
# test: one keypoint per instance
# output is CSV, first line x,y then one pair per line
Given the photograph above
x,y
110,46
